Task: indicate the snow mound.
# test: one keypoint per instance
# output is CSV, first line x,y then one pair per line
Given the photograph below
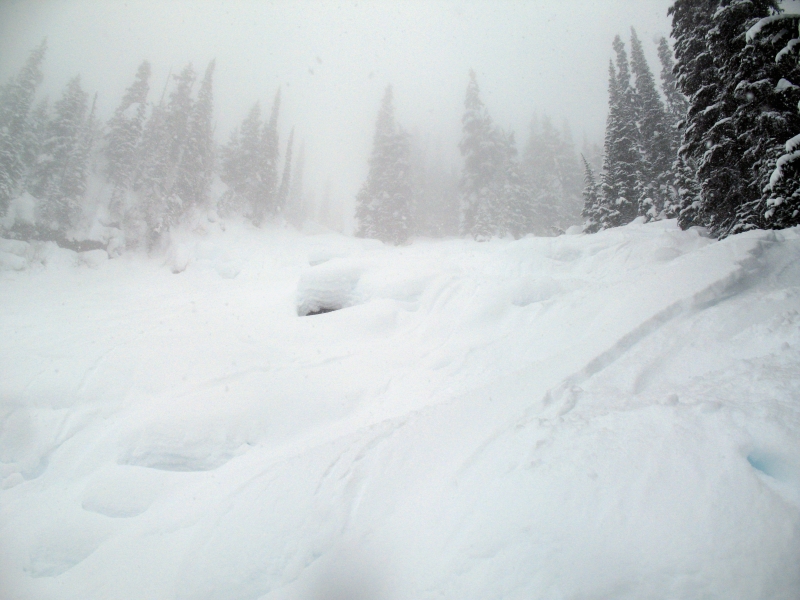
x,y
328,287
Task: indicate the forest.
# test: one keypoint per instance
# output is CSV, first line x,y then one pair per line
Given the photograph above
x,y
714,145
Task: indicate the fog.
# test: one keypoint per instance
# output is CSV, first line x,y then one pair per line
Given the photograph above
x,y
332,61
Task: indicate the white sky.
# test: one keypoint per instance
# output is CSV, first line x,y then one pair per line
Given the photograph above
x,y
545,56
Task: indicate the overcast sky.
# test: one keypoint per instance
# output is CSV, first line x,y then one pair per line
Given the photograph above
x,y
334,59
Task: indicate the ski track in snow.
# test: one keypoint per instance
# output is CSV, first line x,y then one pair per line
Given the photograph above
x,y
613,415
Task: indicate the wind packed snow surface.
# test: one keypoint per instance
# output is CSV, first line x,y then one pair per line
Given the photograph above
x,y
605,416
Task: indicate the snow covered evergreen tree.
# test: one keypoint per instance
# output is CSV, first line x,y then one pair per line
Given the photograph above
x,y
482,177
383,205
163,143
296,209
697,80
552,177
518,211
240,164
59,181
16,99
740,116
767,117
283,190
676,108
676,103
265,197
593,207
35,137
621,162
196,165
435,209
655,166
122,140
780,204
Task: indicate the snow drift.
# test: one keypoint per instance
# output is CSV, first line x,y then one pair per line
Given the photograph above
x,y
613,415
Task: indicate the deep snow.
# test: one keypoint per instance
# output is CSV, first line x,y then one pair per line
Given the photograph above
x,y
604,416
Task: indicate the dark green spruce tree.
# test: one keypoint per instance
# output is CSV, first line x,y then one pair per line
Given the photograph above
x,y
780,204
740,115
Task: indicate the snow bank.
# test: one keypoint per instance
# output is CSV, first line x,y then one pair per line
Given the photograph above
x,y
608,415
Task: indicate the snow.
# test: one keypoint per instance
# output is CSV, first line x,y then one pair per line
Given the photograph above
x,y
609,415
756,29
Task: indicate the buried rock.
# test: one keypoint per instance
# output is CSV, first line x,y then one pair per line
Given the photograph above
x,y
328,287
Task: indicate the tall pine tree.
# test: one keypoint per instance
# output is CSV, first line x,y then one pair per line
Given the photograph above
x,y
240,166
16,99
196,166
655,166
621,158
740,116
482,178
383,205
60,178
266,196
283,190
780,203
122,140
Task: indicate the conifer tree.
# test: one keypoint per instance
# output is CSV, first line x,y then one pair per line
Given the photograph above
x,y
766,117
780,203
621,159
519,212
675,112
283,190
296,208
676,103
266,195
592,204
16,99
196,166
383,205
570,176
60,178
163,143
552,177
739,117
240,166
697,79
655,166
435,209
482,177
124,135
540,161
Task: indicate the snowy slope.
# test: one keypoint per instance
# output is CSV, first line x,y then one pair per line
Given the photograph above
x,y
605,416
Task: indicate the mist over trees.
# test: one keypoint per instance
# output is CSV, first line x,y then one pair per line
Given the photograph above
x,y
710,137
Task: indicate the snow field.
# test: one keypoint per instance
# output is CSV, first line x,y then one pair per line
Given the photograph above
x,y
613,415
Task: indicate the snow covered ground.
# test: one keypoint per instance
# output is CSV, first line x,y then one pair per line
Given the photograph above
x,y
604,416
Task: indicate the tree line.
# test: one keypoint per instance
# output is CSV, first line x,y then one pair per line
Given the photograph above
x,y
156,161
154,164
718,148
716,144
497,193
